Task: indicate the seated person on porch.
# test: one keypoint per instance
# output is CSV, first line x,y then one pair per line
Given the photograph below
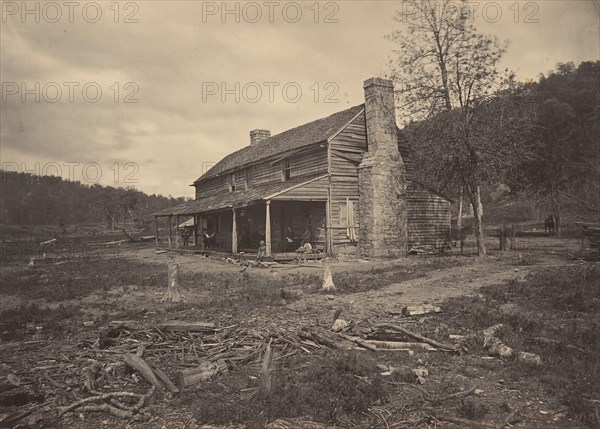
x,y
305,248
306,237
291,240
209,239
262,251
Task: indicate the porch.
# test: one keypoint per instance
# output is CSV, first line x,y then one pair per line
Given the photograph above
x,y
281,215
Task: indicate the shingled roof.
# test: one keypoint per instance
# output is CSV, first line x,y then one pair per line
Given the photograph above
x,y
314,132
235,199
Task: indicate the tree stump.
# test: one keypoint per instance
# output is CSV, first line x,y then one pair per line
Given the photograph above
x,y
327,277
173,294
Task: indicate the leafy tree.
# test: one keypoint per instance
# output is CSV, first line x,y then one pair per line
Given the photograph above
x,y
447,70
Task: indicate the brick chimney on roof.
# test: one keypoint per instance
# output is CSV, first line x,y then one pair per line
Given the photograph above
x,y
258,136
381,177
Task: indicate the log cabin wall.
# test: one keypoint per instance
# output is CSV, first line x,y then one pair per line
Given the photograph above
x,y
310,163
347,150
428,218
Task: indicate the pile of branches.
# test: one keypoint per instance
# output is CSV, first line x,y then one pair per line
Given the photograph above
x,y
132,364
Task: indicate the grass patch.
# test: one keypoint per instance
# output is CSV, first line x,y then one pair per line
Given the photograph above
x,y
77,279
559,305
19,322
377,278
336,387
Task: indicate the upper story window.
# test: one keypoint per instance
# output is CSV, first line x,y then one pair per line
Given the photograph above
x,y
248,173
232,182
286,171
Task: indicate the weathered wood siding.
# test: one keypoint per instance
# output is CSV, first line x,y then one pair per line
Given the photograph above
x,y
347,150
428,218
313,191
309,163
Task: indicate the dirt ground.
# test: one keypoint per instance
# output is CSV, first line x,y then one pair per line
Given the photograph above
x,y
211,289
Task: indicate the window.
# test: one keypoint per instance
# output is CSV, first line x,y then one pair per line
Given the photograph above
x,y
248,177
285,170
232,182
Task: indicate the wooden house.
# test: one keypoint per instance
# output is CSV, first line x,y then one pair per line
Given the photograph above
x,y
309,179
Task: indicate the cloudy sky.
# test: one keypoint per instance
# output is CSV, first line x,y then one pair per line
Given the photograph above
x,y
151,93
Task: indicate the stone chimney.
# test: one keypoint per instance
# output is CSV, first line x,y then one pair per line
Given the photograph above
x,y
381,178
258,135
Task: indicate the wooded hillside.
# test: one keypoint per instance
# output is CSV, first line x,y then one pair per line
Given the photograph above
x,y
27,199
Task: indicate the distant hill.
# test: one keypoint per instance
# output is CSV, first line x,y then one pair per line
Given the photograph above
x,y
27,199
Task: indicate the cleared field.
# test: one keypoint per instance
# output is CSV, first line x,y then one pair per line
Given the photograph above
x,y
56,331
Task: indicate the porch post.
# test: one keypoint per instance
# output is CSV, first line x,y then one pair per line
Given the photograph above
x,y
268,229
233,233
170,230
195,230
177,232
156,229
328,222
201,222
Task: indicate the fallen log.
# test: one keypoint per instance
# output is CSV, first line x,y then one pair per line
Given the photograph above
x,y
184,326
434,343
159,373
359,341
203,372
114,411
326,338
471,423
400,345
298,424
9,420
104,396
417,310
143,368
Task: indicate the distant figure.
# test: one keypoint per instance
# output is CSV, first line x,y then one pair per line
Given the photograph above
x,y
185,234
262,251
549,225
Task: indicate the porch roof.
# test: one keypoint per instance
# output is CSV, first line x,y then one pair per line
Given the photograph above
x,y
236,199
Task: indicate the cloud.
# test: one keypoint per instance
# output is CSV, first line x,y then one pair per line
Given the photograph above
x,y
164,62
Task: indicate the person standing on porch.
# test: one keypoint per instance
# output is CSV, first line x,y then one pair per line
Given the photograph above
x,y
208,238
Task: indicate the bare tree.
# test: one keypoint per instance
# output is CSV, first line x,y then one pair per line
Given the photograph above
x,y
444,65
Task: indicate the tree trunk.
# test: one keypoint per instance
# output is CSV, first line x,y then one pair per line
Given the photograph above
x,y
556,212
478,221
173,285
459,215
328,284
